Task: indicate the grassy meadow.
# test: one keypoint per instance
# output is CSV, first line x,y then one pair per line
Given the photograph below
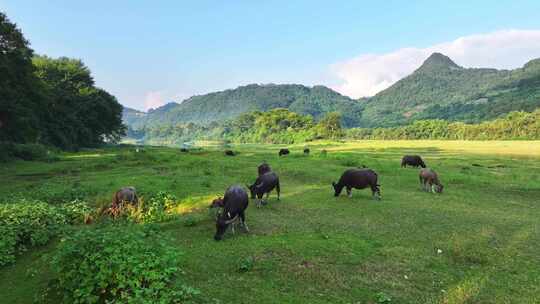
x,y
478,242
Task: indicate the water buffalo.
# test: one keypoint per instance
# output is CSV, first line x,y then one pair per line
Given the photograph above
x,y
235,202
429,181
217,203
264,184
358,179
184,150
230,153
263,168
412,160
125,195
306,151
283,152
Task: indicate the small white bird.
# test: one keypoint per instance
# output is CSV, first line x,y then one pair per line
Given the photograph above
x,y
439,251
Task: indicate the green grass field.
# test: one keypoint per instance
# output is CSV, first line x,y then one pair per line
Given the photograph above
x,y
478,242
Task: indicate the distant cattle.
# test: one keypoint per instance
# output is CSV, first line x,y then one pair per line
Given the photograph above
x,y
263,168
283,152
264,184
429,181
412,160
235,202
358,179
306,151
230,153
184,150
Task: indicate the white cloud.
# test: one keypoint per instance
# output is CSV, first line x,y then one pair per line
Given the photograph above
x,y
367,74
153,100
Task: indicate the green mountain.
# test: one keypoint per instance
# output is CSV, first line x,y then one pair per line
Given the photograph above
x,y
131,116
439,88
228,104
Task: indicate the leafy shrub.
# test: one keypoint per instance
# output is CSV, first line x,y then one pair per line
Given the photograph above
x,y
30,152
246,264
26,224
383,298
76,211
119,264
27,152
156,209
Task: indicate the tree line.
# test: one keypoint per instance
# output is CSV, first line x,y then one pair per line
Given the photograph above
x,y
283,126
51,101
514,126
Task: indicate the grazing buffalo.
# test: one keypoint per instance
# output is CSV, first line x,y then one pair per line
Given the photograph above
x,y
125,195
184,150
306,151
283,152
429,181
412,160
217,203
235,202
230,153
358,179
263,168
264,184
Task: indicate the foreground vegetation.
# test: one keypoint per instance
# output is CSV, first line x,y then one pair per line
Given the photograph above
x,y
479,242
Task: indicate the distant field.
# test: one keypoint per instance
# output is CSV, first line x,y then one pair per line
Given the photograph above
x,y
312,247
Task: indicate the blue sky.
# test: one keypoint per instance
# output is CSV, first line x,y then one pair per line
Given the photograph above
x,y
150,52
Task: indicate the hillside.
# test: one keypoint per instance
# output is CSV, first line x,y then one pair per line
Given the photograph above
x,y
439,88
228,104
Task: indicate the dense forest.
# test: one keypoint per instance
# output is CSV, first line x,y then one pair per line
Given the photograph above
x,y
284,126
48,101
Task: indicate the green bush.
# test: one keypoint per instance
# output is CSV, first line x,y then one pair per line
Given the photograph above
x,y
27,224
155,209
119,264
76,211
26,152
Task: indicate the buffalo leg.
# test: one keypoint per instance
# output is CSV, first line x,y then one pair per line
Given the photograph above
x,y
375,192
349,192
243,221
278,190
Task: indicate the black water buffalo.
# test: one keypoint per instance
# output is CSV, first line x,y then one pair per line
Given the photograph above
x,y
306,151
263,168
264,184
412,160
235,202
184,150
283,152
230,153
429,181
358,179
217,203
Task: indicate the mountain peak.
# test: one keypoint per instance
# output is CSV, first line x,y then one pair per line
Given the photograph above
x,y
437,61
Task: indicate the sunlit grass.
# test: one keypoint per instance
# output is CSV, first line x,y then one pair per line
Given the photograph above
x,y
311,247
